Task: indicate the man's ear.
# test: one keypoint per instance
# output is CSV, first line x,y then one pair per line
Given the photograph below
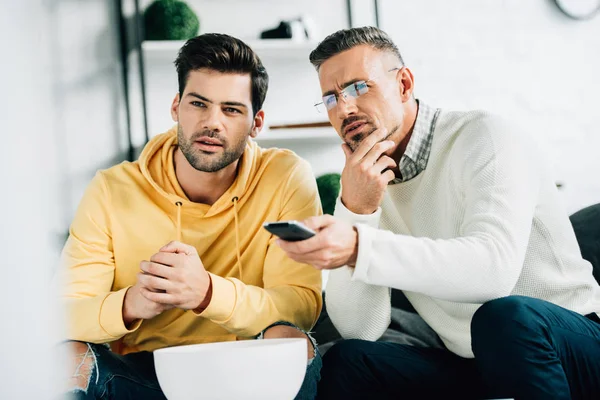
x,y
406,83
259,123
175,108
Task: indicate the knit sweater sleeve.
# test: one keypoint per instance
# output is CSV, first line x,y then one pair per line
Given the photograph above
x,y
496,181
357,309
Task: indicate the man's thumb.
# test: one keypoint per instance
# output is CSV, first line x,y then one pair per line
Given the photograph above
x,y
347,150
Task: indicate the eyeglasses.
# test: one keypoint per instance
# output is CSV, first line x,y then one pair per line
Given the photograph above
x,y
355,90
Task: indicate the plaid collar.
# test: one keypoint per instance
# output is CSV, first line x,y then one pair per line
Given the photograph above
x,y
415,158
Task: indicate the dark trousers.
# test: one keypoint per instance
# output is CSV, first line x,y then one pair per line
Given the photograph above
x,y
524,348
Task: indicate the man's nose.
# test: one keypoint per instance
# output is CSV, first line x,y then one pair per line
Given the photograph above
x,y
213,120
346,106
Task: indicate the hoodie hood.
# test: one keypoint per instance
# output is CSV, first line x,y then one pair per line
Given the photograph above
x,y
156,165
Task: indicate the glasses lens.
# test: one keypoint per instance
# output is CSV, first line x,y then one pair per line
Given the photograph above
x,y
356,89
329,101
361,87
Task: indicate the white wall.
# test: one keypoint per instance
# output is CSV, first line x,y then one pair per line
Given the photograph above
x,y
86,114
521,59
60,109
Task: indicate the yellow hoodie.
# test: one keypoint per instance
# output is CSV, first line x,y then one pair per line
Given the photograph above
x,y
131,210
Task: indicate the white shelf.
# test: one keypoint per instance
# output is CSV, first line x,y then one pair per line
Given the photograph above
x,y
321,135
265,48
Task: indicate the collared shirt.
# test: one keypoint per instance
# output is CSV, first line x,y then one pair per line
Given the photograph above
x,y
414,160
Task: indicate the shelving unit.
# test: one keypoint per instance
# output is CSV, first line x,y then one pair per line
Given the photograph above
x,y
288,101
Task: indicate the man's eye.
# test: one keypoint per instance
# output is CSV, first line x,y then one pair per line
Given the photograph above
x,y
198,104
233,110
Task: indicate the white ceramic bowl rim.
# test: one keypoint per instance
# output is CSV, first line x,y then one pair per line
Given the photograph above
x,y
230,346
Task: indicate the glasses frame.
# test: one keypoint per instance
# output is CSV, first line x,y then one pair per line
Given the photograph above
x,y
344,94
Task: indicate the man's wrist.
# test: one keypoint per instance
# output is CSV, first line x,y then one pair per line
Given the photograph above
x,y
356,209
128,317
207,298
354,255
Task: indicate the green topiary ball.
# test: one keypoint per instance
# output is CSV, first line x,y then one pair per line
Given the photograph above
x,y
170,20
329,188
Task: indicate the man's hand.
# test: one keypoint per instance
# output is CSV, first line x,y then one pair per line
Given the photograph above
x,y
334,245
367,173
136,306
177,276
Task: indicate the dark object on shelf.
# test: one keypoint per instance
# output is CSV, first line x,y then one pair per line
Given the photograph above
x,y
170,20
329,188
299,28
283,31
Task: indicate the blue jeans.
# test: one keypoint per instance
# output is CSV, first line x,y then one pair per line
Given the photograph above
x,y
524,348
132,376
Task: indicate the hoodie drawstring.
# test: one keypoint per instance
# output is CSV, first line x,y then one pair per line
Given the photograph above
x,y
237,236
179,204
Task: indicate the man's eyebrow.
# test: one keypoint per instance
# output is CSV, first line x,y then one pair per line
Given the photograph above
x,y
344,85
196,95
234,103
225,103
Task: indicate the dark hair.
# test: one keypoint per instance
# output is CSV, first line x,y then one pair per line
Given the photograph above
x,y
222,53
346,39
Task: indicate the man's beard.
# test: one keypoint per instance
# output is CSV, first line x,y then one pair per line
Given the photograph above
x,y
356,140
204,162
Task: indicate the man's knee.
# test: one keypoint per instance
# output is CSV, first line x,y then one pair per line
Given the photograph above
x,y
502,320
343,373
290,332
343,355
82,363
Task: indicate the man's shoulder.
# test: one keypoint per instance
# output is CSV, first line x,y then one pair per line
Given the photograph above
x,y
467,121
281,161
123,173
474,137
466,128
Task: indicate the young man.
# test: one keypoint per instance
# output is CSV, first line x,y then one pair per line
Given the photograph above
x,y
455,210
170,250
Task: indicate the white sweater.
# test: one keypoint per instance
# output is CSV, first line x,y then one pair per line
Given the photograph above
x,y
481,222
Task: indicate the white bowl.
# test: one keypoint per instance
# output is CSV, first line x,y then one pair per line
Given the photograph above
x,y
248,369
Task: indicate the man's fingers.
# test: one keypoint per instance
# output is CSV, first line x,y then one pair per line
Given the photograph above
x,y
388,176
367,144
154,282
167,259
347,151
302,246
157,269
316,243
383,163
377,151
178,247
319,222
160,298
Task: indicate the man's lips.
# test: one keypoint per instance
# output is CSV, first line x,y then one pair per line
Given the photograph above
x,y
353,128
209,141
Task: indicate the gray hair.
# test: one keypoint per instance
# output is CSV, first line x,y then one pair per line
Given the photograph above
x,y
346,39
